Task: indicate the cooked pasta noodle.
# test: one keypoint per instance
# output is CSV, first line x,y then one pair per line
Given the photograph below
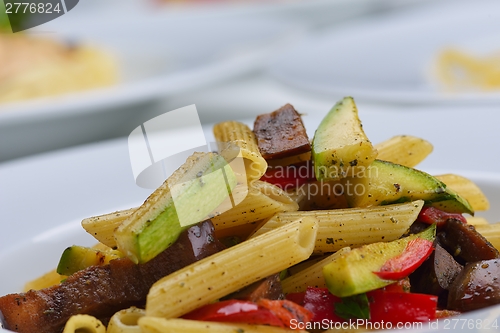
x,y
84,324
103,227
352,226
162,325
126,321
466,189
47,280
406,150
310,276
262,201
227,271
242,136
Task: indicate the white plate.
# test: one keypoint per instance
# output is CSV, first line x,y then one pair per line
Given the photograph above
x,y
388,58
40,254
40,194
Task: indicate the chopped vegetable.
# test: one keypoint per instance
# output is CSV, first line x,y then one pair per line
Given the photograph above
x,y
352,273
265,312
416,252
290,176
432,215
401,307
340,146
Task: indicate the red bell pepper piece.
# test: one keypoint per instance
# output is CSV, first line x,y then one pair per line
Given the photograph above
x,y
287,311
290,176
413,256
322,304
432,215
266,312
401,307
235,311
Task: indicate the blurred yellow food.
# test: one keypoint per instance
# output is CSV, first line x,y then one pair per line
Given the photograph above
x,y
35,67
458,70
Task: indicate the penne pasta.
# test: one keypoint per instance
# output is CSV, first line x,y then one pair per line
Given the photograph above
x,y
47,280
406,150
310,276
476,220
290,160
318,195
232,269
84,323
162,325
126,321
262,201
103,227
467,189
491,232
241,135
352,227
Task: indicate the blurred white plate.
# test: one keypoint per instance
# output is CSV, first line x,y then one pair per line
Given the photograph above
x,y
158,57
388,58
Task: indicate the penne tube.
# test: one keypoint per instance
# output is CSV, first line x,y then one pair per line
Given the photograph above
x,y
162,325
241,135
126,321
232,269
262,201
310,276
466,189
352,227
84,323
47,280
103,227
290,160
476,220
491,232
406,150
318,195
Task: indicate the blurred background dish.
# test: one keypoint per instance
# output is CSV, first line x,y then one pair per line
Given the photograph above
x,y
393,57
162,49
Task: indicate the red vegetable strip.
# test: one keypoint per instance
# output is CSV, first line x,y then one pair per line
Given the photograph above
x,y
287,311
235,311
401,307
413,256
432,215
290,176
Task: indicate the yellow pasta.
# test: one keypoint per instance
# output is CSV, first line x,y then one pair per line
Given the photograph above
x,y
262,201
242,136
126,321
103,227
317,195
232,269
352,226
476,220
310,276
162,325
467,189
47,280
406,150
290,160
84,323
491,232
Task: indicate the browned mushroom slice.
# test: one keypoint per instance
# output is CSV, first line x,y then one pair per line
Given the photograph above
x,y
281,133
477,286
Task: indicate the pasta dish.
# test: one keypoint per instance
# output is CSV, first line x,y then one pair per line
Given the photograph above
x,y
278,232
